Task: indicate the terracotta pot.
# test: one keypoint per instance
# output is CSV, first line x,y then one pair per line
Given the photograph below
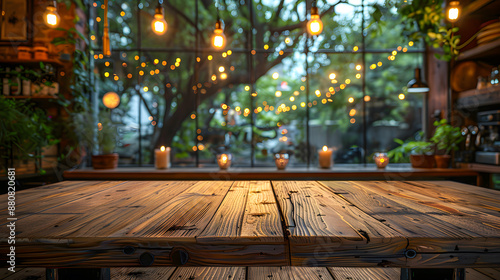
x,y
442,161
109,161
422,161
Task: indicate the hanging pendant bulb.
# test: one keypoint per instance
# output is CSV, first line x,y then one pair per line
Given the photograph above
x,y
314,25
219,39
106,47
159,24
416,85
453,11
50,16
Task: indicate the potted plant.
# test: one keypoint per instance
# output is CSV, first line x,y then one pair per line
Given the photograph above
x,y
107,134
446,137
419,151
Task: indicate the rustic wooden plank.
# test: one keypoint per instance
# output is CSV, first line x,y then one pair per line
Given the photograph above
x,y
209,273
186,215
475,274
141,273
326,230
103,213
288,273
364,273
248,213
45,197
23,273
482,199
439,238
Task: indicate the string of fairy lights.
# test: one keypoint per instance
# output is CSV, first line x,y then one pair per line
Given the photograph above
x,y
156,66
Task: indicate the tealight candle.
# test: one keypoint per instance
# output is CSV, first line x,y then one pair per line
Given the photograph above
x,y
325,157
381,160
281,161
224,161
162,157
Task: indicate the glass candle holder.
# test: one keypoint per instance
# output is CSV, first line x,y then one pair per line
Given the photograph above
x,y
281,160
224,161
381,160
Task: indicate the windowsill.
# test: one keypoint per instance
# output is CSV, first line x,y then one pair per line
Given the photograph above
x,y
338,171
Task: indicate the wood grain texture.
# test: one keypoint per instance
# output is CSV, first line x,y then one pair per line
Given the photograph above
x,y
441,235
324,229
23,273
490,273
289,273
249,212
209,273
363,273
141,273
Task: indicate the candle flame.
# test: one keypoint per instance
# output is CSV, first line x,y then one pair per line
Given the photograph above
x,y
325,148
224,158
162,148
382,160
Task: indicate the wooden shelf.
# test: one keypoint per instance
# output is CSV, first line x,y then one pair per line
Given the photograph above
x,y
488,50
479,167
474,98
31,61
481,7
29,97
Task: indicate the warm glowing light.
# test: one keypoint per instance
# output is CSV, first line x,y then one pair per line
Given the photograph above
x,y
92,37
353,120
162,148
247,88
356,48
229,52
277,93
352,112
348,81
218,39
98,19
379,63
136,57
302,104
332,76
296,93
292,98
146,89
453,11
266,46
410,43
276,75
314,25
367,98
116,78
394,52
237,109
325,148
106,74
401,96
317,92
342,86
221,69
193,116
51,17
358,76
223,76
111,100
214,77
122,13
141,73
358,67
350,100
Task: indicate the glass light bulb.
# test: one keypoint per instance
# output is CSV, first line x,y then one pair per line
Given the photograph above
x,y
315,25
219,40
159,24
50,17
453,12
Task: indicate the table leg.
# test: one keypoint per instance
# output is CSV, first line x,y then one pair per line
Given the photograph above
x,y
77,274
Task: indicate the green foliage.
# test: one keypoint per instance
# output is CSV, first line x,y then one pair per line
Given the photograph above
x,y
446,136
429,17
107,134
401,153
24,128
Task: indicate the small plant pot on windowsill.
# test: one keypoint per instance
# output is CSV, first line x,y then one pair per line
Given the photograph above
x,y
109,161
442,161
422,161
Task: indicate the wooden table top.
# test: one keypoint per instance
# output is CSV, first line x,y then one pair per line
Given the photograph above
x,y
255,223
337,172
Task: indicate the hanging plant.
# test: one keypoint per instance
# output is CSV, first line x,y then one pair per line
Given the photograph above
x,y
425,19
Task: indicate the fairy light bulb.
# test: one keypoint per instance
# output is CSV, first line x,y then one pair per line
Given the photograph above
x,y
453,11
51,17
219,39
159,24
314,25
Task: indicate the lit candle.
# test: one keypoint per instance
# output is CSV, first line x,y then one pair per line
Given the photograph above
x,y
162,157
325,157
381,160
224,161
281,161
